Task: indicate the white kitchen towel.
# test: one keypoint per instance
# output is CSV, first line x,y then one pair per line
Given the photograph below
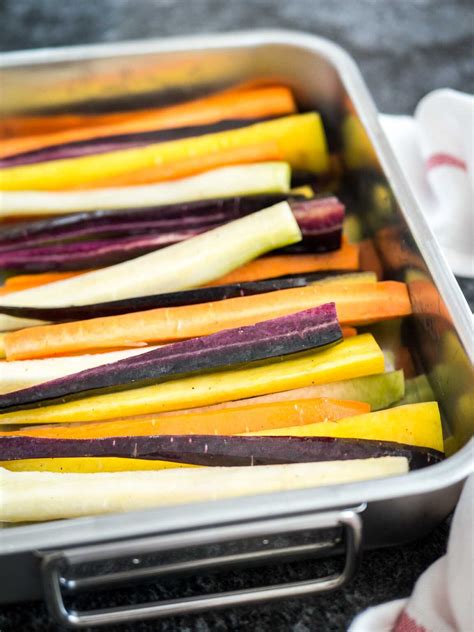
x,y
443,598
435,149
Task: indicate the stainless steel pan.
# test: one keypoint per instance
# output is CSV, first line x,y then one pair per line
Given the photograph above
x,y
55,559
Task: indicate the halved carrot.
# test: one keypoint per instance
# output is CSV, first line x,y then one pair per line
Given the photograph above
x,y
222,422
25,281
412,424
346,258
256,103
348,332
267,151
301,140
355,304
90,465
353,357
31,125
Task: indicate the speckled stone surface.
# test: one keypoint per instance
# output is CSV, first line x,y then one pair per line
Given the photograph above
x,y
404,49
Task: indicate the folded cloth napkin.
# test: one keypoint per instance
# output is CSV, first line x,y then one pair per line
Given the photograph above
x,y
443,598
435,149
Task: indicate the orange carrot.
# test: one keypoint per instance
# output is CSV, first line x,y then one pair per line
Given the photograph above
x,y
355,304
250,418
263,152
346,258
25,281
257,103
16,126
348,332
26,126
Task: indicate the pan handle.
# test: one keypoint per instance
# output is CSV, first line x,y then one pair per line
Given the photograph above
x,y
57,566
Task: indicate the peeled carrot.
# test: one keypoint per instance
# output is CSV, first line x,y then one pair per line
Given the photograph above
x,y
222,422
349,332
413,424
257,103
25,281
24,125
353,357
379,391
90,465
40,496
346,258
300,138
355,304
192,165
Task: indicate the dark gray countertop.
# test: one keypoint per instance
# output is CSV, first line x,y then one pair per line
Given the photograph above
x,y
404,49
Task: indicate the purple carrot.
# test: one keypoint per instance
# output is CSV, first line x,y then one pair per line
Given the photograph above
x,y
162,218
90,254
320,220
304,330
105,144
168,299
216,450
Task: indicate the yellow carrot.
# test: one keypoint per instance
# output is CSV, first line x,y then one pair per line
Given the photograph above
x,y
191,165
89,465
46,131
220,422
353,357
300,139
413,424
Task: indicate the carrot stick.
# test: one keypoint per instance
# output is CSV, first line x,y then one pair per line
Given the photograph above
x,y
300,138
346,258
355,304
258,103
223,422
25,281
24,125
191,165
353,357
349,332
412,424
90,465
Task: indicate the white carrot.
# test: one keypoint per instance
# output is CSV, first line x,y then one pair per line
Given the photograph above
x,y
34,496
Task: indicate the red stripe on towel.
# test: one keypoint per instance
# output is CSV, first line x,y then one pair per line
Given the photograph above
x,y
445,160
405,623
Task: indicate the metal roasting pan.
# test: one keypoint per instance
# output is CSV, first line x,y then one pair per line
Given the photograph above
x,y
55,560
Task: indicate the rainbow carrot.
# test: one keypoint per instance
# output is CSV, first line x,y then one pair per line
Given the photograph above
x,y
346,258
191,165
355,305
26,281
300,139
353,357
223,422
258,103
